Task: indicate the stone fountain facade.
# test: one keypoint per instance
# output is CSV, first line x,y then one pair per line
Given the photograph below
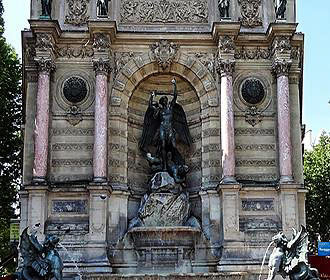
x,y
87,81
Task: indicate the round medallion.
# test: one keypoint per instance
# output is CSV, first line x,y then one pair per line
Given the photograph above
x,y
75,89
253,91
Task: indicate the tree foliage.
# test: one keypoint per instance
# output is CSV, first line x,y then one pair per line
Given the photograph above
x,y
317,181
10,136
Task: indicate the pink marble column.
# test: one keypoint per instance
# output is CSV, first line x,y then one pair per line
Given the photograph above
x,y
102,69
45,67
226,68
281,69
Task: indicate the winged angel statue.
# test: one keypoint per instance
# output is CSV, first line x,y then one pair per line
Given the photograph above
x,y
289,258
164,122
41,261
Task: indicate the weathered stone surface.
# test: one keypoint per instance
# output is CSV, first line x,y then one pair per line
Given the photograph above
x,y
163,182
165,209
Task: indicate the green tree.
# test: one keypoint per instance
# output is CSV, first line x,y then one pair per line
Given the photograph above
x,y
10,137
317,181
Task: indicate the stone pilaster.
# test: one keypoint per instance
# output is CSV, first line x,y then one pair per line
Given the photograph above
x,y
281,70
45,67
102,69
226,68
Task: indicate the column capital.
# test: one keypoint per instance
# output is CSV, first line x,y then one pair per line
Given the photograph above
x,y
225,66
102,66
45,65
281,67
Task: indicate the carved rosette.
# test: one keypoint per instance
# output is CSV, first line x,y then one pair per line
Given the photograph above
x,y
250,11
101,41
281,67
44,42
164,52
281,44
226,67
102,66
45,65
77,12
226,44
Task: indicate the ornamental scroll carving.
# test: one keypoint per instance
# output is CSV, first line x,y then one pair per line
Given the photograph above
x,y
164,52
164,11
77,12
250,11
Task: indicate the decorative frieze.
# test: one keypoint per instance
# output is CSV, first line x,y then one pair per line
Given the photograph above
x,y
115,178
164,52
255,147
75,229
72,162
250,12
281,44
254,131
257,177
226,44
253,223
211,132
74,52
72,131
44,42
164,11
256,162
77,13
101,41
64,178
72,147
69,206
249,53
256,205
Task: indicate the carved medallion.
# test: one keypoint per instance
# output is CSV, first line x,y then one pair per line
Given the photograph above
x,y
77,12
250,11
164,52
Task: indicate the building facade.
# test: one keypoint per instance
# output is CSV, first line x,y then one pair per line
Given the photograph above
x,y
89,69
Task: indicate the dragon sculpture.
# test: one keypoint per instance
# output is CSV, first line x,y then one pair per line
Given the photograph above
x,y
289,258
40,261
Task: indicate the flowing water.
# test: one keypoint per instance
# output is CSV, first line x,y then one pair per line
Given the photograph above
x,y
263,260
72,259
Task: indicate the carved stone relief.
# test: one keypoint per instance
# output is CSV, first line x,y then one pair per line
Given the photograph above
x,y
101,41
250,11
207,59
164,11
69,206
73,132
255,147
77,13
255,131
164,52
122,58
248,53
74,52
281,44
71,162
251,224
256,205
226,44
44,41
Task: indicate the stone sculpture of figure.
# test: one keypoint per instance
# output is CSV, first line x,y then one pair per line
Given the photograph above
x,y
223,6
46,8
289,258
162,122
280,8
41,261
102,7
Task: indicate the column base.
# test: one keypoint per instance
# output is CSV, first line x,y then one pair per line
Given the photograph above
x,y
228,180
38,180
286,179
99,180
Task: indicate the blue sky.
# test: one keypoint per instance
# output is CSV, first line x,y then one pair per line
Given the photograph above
x,y
314,21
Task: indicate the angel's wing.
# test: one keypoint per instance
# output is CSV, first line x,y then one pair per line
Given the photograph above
x,y
150,125
181,125
297,249
31,251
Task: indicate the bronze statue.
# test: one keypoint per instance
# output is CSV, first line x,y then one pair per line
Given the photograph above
x,y
280,8
41,261
289,258
102,7
46,8
223,6
164,121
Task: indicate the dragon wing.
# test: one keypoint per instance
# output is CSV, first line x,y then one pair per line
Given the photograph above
x,y
31,251
181,125
297,249
151,123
